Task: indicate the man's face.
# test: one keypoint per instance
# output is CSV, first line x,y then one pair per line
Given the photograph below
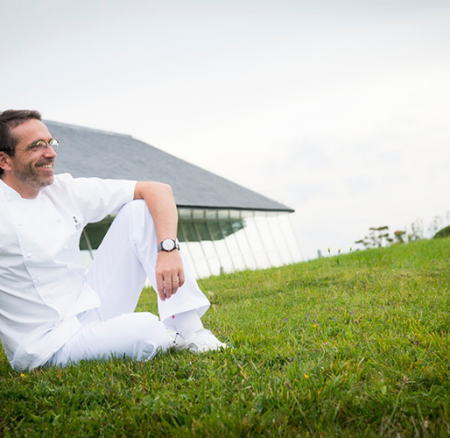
x,y
31,168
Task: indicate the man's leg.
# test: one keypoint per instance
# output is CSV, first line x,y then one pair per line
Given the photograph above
x,y
126,257
136,335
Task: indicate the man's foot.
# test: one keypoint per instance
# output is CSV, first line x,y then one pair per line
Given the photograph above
x,y
198,342
173,335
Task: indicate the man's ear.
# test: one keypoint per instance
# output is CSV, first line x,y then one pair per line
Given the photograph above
x,y
4,161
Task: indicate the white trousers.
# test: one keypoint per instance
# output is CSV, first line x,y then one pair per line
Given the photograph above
x,y
126,257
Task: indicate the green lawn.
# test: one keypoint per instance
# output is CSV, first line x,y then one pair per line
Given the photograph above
x,y
355,345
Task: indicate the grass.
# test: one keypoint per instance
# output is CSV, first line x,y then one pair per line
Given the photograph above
x,y
354,345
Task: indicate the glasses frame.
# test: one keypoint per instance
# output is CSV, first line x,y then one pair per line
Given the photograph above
x,y
41,144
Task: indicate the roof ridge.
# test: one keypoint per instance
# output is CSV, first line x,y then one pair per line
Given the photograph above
x,y
84,128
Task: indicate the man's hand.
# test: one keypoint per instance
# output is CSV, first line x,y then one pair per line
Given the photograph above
x,y
169,273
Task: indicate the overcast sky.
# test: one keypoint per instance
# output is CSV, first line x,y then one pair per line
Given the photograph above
x,y
339,109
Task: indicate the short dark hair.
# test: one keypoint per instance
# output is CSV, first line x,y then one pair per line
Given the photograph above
x,y
9,119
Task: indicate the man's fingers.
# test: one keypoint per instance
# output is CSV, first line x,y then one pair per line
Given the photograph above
x,y
181,278
171,285
174,284
160,287
168,287
169,274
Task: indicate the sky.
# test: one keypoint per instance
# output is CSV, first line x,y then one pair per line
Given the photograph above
x,y
339,109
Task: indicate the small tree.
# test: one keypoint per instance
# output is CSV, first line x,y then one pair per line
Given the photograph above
x,y
416,230
398,236
435,226
377,236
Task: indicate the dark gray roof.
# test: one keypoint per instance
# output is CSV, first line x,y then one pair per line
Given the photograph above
x,y
86,152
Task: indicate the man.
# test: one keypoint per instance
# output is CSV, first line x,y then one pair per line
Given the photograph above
x,y
52,310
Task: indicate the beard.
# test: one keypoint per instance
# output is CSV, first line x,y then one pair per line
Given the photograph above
x,y
28,174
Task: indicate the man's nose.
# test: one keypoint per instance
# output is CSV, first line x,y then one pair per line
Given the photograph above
x,y
49,152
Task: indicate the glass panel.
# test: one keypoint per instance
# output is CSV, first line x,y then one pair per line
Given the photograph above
x,y
227,264
242,242
180,234
202,268
277,234
249,260
261,261
287,230
185,250
236,225
223,214
208,249
265,234
253,236
216,233
198,214
233,248
85,258
286,257
202,230
214,265
190,233
221,248
234,214
296,254
196,251
211,214
274,259
184,213
238,262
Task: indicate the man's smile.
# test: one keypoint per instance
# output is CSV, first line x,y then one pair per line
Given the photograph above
x,y
46,166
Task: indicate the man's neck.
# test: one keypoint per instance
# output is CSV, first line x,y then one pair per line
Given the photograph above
x,y
25,190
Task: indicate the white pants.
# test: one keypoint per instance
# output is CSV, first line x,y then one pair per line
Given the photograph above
x,y
126,257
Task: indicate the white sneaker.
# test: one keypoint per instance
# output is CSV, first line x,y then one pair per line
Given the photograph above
x,y
199,342
172,336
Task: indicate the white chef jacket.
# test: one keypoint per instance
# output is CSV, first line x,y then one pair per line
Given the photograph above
x,y
42,286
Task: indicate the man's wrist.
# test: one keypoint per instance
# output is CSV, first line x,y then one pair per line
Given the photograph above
x,y
168,245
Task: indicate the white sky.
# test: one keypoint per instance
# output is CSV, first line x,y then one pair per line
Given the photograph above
x,y
339,109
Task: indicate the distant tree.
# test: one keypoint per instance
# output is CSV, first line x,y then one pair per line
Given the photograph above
x,y
436,225
379,236
376,237
416,230
398,236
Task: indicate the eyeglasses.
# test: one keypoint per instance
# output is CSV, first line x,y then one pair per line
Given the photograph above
x,y
41,144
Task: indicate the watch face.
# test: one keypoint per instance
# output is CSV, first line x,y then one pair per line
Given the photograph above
x,y
168,244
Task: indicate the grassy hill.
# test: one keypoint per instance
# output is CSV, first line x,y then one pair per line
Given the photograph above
x,y
354,345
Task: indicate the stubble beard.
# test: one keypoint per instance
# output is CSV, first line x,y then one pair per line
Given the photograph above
x,y
29,175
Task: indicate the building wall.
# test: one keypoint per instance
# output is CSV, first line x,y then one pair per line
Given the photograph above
x,y
217,241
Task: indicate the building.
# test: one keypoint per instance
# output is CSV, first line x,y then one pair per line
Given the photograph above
x,y
223,226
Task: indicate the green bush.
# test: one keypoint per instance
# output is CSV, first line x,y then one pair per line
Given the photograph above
x,y
445,232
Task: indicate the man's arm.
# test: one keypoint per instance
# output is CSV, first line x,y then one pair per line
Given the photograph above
x,y
160,202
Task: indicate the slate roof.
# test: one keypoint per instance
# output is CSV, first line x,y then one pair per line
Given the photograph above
x,y
86,152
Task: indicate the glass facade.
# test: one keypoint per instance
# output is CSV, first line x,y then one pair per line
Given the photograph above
x,y
216,241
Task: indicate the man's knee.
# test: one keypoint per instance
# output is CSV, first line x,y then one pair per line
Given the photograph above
x,y
138,215
151,337
133,208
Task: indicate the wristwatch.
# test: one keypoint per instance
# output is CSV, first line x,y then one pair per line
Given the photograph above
x,y
168,245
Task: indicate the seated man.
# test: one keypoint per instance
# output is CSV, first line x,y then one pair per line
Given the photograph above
x,y
52,310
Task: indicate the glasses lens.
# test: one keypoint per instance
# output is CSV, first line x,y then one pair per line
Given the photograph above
x,y
54,143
